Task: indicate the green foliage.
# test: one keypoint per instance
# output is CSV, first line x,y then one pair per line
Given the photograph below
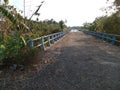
x,y
14,44
117,2
2,47
10,47
90,26
8,15
112,25
44,27
61,23
106,24
15,35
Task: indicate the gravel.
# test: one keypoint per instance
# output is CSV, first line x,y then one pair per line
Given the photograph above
x,y
76,62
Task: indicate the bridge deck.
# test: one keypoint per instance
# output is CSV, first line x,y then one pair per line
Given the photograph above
x,y
77,62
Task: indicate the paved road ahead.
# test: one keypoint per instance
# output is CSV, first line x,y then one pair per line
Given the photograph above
x,y
77,62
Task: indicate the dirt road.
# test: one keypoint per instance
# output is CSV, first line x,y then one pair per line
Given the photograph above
x,y
76,62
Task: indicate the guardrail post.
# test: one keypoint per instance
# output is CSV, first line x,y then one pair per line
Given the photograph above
x,y
58,36
53,38
99,35
95,34
113,40
31,43
90,33
42,43
48,39
103,36
107,38
62,34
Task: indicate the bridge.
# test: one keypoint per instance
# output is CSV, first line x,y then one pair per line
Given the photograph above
x,y
75,62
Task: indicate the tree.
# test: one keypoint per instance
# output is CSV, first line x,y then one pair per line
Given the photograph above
x,y
112,24
117,2
61,24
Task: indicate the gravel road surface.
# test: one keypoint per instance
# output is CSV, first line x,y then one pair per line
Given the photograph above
x,y
76,62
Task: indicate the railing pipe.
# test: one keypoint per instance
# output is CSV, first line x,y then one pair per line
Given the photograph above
x,y
112,38
49,39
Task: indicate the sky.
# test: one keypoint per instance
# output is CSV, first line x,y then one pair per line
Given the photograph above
x,y
76,12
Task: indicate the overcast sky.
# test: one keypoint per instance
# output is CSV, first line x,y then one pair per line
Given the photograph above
x,y
76,12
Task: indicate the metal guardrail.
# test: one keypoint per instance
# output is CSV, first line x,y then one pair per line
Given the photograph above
x,y
48,40
109,38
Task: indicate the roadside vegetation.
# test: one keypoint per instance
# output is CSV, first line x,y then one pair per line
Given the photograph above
x,y
110,23
16,31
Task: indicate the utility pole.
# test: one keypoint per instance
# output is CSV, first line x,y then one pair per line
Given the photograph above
x,y
24,9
